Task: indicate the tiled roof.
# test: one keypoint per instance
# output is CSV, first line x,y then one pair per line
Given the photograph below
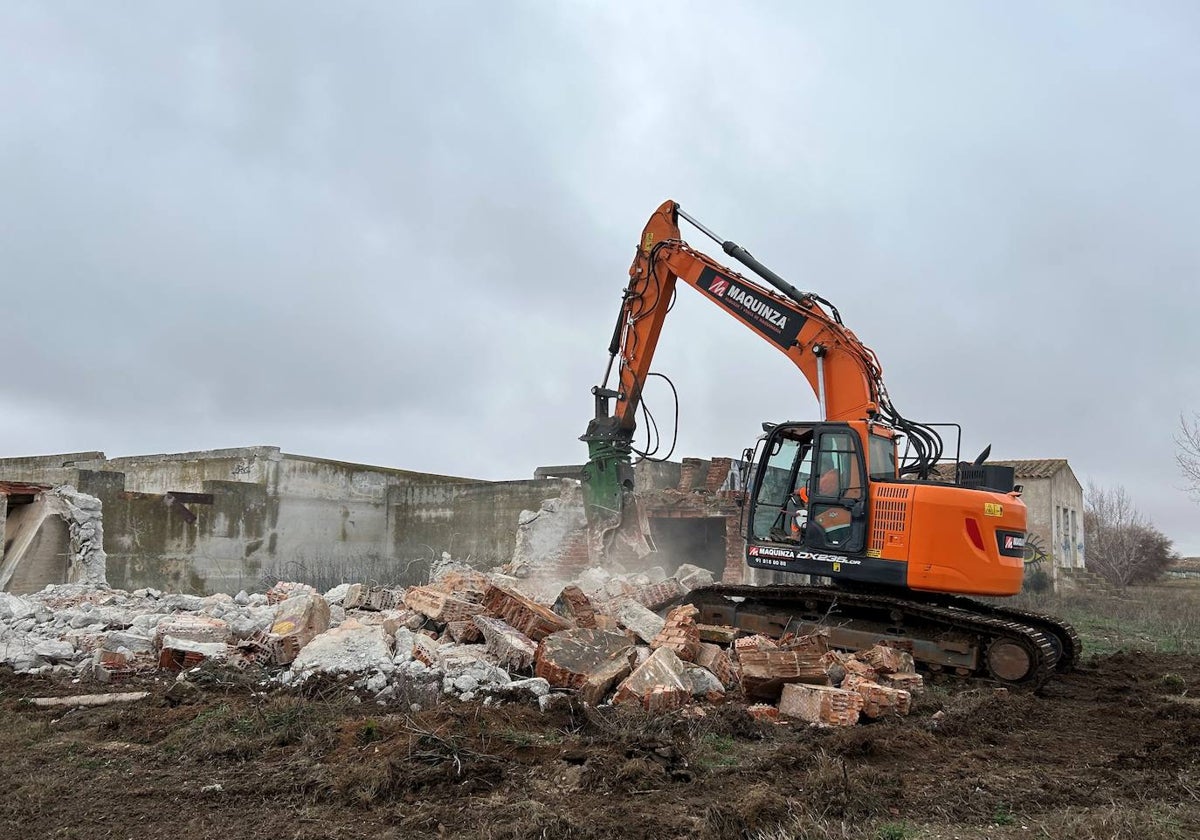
x,y
1031,468
1034,468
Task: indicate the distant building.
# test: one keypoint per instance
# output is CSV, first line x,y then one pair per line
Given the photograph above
x,y
1053,497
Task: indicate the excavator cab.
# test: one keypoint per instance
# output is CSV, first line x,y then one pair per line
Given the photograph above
x,y
809,497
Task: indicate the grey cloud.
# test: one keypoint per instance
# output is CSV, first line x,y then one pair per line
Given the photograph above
x,y
398,233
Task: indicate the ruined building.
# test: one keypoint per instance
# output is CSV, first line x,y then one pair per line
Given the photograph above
x,y
230,519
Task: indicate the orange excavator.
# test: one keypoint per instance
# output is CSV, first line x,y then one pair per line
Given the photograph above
x,y
837,499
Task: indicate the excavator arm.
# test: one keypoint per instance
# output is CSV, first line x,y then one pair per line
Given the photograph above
x,y
845,374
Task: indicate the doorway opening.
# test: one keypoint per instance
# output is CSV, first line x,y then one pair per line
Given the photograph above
x,y
699,540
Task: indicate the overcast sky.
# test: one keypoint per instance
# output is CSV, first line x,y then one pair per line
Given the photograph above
x,y
398,233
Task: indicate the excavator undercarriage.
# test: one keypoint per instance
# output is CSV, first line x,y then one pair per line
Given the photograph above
x,y
945,633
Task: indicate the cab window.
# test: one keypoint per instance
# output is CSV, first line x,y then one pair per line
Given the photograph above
x,y
883,458
837,472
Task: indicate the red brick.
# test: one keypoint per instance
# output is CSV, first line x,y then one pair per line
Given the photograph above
x,y
813,643
722,633
657,684
763,711
512,649
531,618
655,596
765,672
854,665
440,606
680,633
912,683
283,590
887,660
426,650
567,659
821,704
469,585
297,622
463,632
689,472
878,700
575,606
756,642
718,471
718,662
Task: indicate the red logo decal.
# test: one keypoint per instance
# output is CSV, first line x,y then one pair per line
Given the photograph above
x,y
753,551
719,287
1008,542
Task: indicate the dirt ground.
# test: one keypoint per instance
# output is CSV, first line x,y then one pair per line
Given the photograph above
x,y
1112,750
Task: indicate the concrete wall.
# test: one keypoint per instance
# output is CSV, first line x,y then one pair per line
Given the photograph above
x,y
229,519
37,547
476,521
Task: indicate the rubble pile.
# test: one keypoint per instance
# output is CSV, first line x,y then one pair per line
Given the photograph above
x,y
468,635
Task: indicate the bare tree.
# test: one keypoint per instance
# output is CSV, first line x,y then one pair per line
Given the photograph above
x,y
1188,453
1112,527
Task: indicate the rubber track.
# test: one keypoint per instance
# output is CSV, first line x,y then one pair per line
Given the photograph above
x,y
989,627
1071,645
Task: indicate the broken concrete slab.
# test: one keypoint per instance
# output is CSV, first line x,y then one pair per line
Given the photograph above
x,y
511,648
348,649
568,658
299,620
642,622
658,684
90,699
693,577
601,681
721,633
55,651
821,704
704,683
593,581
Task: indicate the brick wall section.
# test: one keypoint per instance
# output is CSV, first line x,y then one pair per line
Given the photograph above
x,y
689,474
718,471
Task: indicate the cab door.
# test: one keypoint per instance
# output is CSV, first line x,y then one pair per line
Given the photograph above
x,y
837,492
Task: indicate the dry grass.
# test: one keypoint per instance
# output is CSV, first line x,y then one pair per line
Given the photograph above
x,y
1159,618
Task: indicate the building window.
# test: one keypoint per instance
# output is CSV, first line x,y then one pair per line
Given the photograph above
x,y
1074,540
